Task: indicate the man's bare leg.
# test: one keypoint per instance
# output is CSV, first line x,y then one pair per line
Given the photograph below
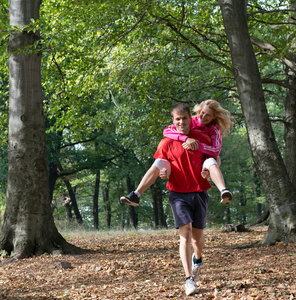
x,y
185,233
198,243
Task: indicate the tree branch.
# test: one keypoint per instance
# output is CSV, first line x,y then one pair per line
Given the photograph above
x,y
203,55
270,47
79,142
274,94
262,12
279,82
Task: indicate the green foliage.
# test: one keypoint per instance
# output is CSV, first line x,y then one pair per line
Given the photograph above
x,y
4,98
111,70
4,84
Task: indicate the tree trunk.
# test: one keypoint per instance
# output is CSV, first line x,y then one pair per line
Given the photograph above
x,y
134,216
280,192
68,206
227,215
74,204
259,205
290,113
96,200
107,205
132,210
28,227
262,218
121,191
53,176
290,125
157,195
155,211
290,130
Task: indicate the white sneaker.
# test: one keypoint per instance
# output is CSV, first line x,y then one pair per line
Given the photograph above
x,y
196,268
226,196
190,287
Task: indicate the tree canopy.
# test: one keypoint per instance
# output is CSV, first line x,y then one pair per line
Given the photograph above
x,y
110,72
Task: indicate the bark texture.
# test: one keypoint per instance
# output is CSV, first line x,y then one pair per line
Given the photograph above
x,y
290,109
96,200
132,212
158,211
28,227
281,194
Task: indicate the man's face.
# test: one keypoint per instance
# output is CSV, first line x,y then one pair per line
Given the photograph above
x,y
181,121
206,115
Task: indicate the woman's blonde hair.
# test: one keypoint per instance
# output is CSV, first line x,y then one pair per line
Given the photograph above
x,y
222,116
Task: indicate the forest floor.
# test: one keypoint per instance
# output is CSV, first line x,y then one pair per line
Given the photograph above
x,y
146,265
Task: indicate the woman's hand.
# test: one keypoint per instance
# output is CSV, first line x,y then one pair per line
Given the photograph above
x,y
190,144
163,173
205,173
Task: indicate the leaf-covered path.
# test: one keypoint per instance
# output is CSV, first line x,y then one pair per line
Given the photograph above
x,y
147,266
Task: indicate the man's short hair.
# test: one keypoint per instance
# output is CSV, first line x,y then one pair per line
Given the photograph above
x,y
181,108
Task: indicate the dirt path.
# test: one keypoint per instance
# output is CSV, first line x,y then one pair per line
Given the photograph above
x,y
147,266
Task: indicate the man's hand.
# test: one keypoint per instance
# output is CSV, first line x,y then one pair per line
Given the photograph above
x,y
163,173
190,144
205,173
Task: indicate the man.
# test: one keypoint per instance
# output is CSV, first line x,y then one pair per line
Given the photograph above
x,y
188,196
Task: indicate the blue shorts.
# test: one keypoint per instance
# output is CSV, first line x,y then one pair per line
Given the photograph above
x,y
189,208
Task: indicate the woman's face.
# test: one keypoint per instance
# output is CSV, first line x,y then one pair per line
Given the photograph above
x,y
206,115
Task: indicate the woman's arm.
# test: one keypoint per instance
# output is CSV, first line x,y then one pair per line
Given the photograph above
x,y
215,148
172,133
